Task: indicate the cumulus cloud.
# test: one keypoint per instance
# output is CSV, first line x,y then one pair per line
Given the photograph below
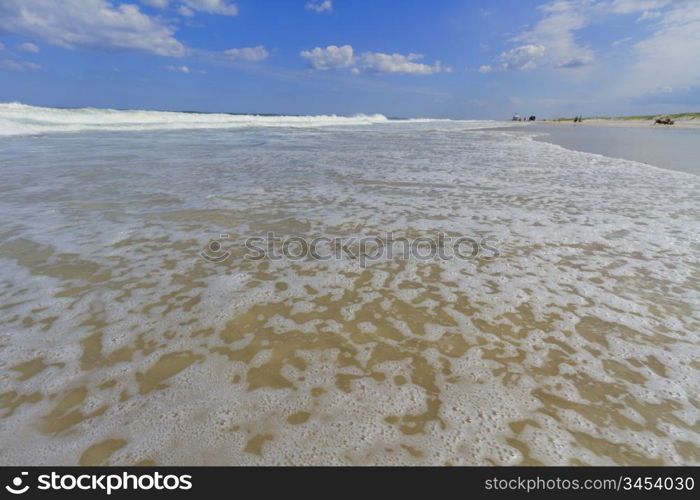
x,y
485,68
320,6
89,23
398,63
333,57
181,69
28,47
185,11
221,7
551,42
247,53
522,58
554,37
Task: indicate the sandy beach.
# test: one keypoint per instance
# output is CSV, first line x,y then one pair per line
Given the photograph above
x,y
692,123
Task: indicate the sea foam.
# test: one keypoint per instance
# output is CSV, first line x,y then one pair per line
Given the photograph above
x,y
577,344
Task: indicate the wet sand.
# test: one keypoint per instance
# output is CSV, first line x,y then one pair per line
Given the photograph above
x,y
631,123
675,149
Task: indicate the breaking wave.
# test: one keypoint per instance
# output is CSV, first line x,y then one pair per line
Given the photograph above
x,y
22,119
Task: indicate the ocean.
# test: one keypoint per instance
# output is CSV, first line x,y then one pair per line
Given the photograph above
x,y
215,289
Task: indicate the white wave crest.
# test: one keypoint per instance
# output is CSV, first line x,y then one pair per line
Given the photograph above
x,y
22,119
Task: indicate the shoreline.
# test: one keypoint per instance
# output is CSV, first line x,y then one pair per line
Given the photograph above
x,y
687,124
664,148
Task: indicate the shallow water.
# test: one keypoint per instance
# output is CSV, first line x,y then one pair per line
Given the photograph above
x,y
119,344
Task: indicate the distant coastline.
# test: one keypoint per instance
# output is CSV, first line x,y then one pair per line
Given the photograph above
x,y
681,120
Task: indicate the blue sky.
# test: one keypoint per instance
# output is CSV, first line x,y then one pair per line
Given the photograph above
x,y
444,58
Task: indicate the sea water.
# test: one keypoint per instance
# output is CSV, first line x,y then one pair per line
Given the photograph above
x,y
576,342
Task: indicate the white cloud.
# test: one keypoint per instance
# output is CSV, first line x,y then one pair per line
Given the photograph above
x,y
522,58
181,69
185,11
320,6
551,41
631,6
556,31
485,68
28,47
333,57
648,15
398,63
666,61
247,53
157,4
15,65
187,7
89,23
669,57
221,7
621,41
